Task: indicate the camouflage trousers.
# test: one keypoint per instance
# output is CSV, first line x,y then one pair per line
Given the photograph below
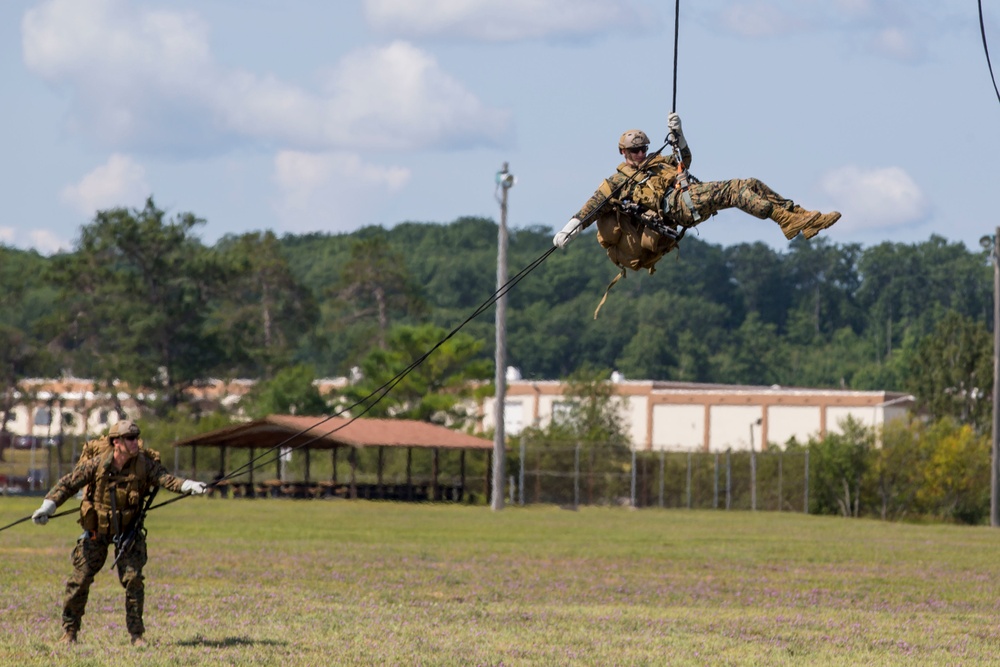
x,y
89,557
747,194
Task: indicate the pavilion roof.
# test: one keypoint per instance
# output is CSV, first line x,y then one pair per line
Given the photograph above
x,y
328,433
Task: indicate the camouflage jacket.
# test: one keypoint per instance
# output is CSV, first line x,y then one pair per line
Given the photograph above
x,y
645,188
134,481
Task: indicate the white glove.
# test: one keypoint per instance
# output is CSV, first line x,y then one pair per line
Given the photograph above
x,y
562,238
674,125
193,487
42,514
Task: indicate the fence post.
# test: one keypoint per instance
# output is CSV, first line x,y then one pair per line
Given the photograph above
x,y
576,476
729,478
663,459
689,481
805,507
633,478
715,489
753,481
520,486
781,461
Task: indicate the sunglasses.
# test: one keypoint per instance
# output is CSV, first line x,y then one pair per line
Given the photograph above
x,y
130,437
637,149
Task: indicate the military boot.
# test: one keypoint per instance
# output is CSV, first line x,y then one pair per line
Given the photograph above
x,y
821,223
69,637
794,221
138,641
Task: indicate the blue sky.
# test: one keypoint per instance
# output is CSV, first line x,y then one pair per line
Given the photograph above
x,y
314,116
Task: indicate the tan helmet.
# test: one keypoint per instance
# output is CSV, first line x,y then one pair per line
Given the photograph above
x,y
632,139
123,427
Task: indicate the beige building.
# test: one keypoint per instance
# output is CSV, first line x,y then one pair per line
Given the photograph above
x,y
681,416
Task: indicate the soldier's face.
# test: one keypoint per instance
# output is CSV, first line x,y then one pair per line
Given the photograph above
x,y
635,155
128,445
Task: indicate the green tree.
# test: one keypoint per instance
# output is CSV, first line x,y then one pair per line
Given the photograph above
x,y
591,425
373,284
134,300
434,390
951,373
291,391
838,464
262,312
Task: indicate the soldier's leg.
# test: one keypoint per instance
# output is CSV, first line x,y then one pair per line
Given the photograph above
x,y
88,558
750,196
130,575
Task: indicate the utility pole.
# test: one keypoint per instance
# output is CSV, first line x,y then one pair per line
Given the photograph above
x,y
990,243
505,180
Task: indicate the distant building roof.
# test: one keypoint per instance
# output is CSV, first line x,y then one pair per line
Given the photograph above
x,y
327,433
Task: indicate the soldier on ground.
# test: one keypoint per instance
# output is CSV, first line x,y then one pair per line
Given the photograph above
x,y
643,208
117,480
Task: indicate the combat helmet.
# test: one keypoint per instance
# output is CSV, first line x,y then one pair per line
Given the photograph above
x,y
632,139
123,427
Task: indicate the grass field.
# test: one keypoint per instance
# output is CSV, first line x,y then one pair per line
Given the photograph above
x,y
277,582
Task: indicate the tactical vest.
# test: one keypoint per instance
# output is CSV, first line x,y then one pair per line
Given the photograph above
x,y
93,449
621,231
128,485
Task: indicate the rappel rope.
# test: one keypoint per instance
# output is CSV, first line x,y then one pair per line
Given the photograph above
x,y
986,48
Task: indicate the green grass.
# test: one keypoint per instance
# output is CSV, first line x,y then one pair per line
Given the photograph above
x,y
277,582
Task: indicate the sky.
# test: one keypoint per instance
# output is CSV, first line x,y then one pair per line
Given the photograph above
x,y
302,116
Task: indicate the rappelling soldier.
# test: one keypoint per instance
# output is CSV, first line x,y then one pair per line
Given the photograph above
x,y
642,209
118,483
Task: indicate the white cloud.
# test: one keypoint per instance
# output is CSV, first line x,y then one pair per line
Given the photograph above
x,y
897,44
508,20
119,182
147,79
330,191
871,198
759,19
7,235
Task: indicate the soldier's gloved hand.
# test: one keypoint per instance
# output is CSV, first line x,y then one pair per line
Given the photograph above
x,y
674,125
42,514
193,487
563,237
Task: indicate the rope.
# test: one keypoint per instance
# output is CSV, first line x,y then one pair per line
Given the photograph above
x,y
986,48
677,28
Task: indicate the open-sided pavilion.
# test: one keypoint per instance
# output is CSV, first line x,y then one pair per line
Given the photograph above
x,y
266,439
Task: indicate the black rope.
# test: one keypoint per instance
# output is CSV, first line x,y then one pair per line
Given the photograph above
x,y
986,48
677,27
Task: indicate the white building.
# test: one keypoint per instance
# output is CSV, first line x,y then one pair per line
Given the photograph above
x,y
708,417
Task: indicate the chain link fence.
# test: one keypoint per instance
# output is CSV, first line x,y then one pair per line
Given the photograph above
x,y
589,474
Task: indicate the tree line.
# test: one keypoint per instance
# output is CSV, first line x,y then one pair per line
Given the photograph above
x,y
142,299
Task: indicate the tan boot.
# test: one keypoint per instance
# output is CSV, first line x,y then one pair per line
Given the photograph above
x,y
69,637
138,641
793,222
821,223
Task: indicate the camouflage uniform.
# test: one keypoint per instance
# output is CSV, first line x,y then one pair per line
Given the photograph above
x,y
129,485
649,198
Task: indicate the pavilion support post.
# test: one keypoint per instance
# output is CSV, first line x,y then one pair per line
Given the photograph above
x,y
333,477
409,473
353,456
434,474
307,467
253,490
461,475
381,467
222,462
